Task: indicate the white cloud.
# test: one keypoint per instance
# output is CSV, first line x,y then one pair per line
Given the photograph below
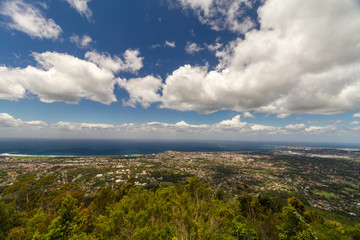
x,y
81,42
282,115
333,122
62,77
262,128
59,77
248,115
235,122
192,48
155,46
142,90
228,129
214,47
220,15
355,123
294,63
10,86
356,114
299,126
295,127
26,18
170,44
166,44
314,128
204,5
131,63
81,7
9,123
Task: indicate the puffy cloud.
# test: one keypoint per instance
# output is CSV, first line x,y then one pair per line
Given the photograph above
x,y
356,114
329,129
142,90
192,48
10,86
131,63
59,77
170,44
262,128
235,122
26,18
81,42
62,77
220,15
81,7
9,123
228,129
248,115
190,88
203,5
294,63
355,123
299,126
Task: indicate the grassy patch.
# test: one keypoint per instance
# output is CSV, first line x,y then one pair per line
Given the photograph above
x,y
324,194
135,163
351,190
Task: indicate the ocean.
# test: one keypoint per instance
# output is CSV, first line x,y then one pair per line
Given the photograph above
x,y
72,147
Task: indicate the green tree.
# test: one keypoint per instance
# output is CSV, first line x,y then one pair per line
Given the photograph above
x,y
64,225
104,198
9,218
354,232
294,226
297,204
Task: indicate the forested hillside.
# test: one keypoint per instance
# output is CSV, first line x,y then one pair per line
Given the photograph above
x,y
45,209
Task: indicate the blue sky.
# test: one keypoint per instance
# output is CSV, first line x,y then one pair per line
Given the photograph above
x,y
180,69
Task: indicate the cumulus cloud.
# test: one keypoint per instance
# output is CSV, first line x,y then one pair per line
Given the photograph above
x,y
27,18
62,77
294,63
300,126
231,124
220,15
81,6
9,123
81,42
233,128
131,63
248,115
143,91
192,48
10,86
58,77
170,44
355,123
356,114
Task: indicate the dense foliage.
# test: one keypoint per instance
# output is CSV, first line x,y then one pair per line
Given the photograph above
x,y
44,209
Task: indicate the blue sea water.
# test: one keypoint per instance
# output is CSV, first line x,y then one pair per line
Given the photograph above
x,y
71,147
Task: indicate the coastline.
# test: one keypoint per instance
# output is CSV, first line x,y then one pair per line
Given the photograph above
x,y
89,148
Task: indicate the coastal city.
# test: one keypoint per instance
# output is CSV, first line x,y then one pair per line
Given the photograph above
x,y
321,178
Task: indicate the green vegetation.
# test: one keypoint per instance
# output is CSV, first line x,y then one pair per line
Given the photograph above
x,y
46,209
351,190
324,194
179,195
